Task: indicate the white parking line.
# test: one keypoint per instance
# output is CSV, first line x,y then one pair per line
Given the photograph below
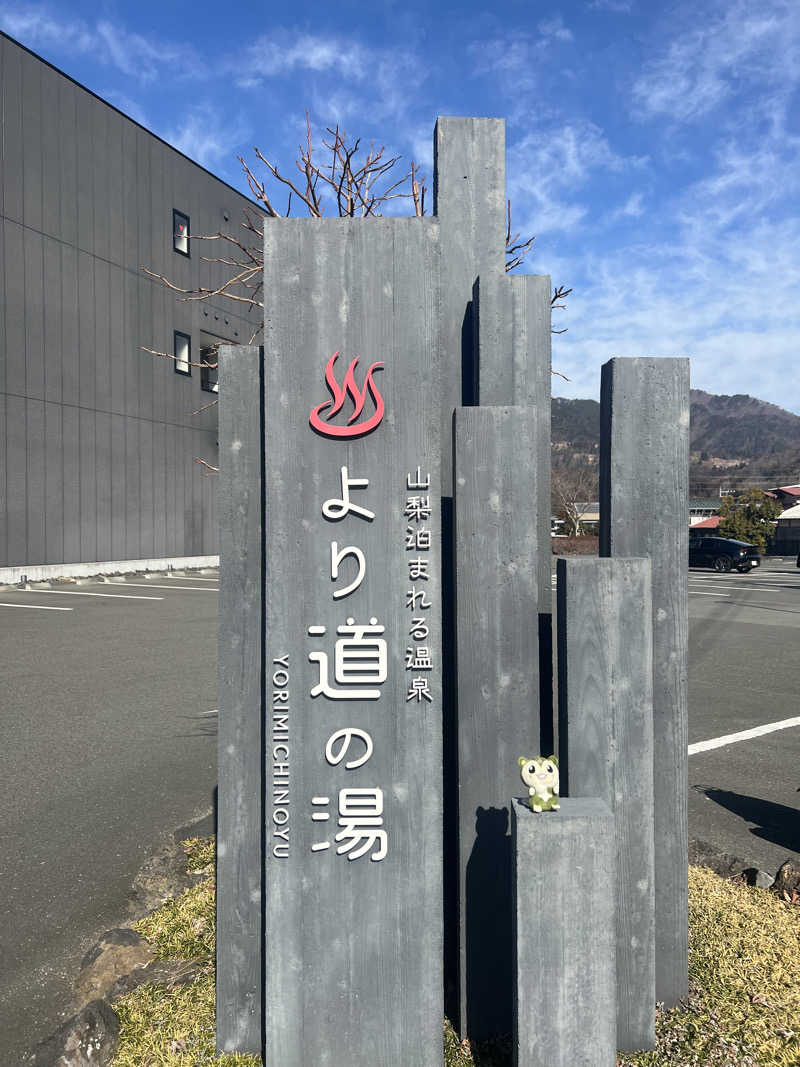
x,y
742,735
74,592
34,607
183,578
735,579
697,592
152,585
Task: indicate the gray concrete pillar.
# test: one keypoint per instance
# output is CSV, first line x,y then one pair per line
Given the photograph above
x,y
512,320
240,808
469,200
644,511
469,190
605,734
498,687
564,1004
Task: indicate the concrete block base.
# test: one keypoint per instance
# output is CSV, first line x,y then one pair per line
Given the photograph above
x,y
564,935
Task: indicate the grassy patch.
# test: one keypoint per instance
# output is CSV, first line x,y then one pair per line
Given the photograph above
x,y
744,977
183,928
172,1028
743,1011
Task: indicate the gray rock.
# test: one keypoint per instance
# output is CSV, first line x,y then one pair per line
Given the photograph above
x,y
160,972
162,877
88,1039
703,854
117,953
787,879
753,876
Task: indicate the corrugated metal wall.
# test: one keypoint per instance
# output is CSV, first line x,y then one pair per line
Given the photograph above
x,y
97,437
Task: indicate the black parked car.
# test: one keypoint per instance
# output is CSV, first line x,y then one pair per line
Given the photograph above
x,y
723,554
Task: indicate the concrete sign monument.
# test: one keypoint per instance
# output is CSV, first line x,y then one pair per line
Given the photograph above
x,y
385,653
352,904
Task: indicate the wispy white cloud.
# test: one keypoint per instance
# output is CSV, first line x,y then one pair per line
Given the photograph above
x,y
38,27
138,57
633,208
732,48
515,60
207,135
549,172
346,78
273,55
618,7
554,30
730,306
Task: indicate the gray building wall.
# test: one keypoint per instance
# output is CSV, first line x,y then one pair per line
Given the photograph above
x,y
97,437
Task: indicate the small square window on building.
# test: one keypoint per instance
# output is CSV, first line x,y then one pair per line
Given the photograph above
x,y
180,233
208,375
182,350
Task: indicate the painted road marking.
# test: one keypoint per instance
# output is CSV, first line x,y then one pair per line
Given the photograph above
x,y
752,577
184,578
743,735
152,585
74,592
34,607
739,579
697,592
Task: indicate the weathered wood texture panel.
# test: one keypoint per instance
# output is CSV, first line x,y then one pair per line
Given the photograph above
x,y
353,950
605,733
512,318
564,1011
239,762
470,203
498,686
644,479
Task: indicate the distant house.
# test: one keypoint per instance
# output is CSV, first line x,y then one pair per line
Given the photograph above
x,y
787,495
588,517
588,514
700,511
705,527
787,531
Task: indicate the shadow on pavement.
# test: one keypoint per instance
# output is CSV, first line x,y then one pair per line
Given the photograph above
x,y
773,822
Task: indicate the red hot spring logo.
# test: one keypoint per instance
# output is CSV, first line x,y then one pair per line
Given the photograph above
x,y
339,393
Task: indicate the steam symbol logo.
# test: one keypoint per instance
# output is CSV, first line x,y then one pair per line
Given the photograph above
x,y
339,393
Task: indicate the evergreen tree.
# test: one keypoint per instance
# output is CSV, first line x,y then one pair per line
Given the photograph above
x,y
749,517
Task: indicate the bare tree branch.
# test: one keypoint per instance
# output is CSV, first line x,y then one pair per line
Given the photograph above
x,y
516,250
570,488
347,182
209,466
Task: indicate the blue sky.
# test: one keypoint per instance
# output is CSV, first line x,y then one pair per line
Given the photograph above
x,y
653,148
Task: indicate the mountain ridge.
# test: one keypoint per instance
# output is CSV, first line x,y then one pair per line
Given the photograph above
x,y
732,438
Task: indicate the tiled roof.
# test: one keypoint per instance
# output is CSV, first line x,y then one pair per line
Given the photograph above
x,y
709,524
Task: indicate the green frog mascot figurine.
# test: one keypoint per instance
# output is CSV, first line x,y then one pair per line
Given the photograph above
x,y
540,775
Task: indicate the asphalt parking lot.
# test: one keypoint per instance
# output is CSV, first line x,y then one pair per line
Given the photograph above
x,y
108,741
744,717
744,647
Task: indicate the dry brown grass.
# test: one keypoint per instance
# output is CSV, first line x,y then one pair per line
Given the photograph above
x,y
743,1010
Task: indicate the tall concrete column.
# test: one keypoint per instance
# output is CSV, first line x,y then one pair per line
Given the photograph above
x,y
644,511
498,687
512,319
605,737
